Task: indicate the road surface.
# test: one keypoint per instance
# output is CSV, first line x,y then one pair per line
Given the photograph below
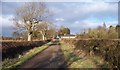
x,y
51,57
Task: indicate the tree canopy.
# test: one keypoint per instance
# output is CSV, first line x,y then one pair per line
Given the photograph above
x,y
29,15
63,31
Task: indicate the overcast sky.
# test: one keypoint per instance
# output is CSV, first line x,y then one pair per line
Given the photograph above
x,y
75,15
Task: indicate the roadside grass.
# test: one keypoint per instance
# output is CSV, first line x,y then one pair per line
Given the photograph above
x,y
8,64
99,61
72,59
75,61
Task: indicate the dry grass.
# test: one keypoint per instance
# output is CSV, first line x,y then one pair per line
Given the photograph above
x,y
81,60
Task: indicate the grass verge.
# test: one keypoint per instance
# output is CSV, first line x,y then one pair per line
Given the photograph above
x,y
76,61
72,59
8,64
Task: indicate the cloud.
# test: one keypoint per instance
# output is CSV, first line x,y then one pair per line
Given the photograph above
x,y
59,19
96,10
82,11
84,24
99,12
6,26
6,21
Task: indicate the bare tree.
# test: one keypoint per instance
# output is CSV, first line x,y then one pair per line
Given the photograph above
x,y
45,28
28,15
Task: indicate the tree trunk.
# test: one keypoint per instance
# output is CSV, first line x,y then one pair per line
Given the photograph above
x,y
29,37
43,37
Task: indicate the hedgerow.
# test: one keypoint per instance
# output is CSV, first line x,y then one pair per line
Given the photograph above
x,y
108,49
11,49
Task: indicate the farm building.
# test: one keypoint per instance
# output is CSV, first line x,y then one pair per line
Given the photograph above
x,y
68,36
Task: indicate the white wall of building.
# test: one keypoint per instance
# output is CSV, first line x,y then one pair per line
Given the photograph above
x,y
68,36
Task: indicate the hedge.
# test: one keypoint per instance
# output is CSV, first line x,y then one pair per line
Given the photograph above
x,y
108,49
11,49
